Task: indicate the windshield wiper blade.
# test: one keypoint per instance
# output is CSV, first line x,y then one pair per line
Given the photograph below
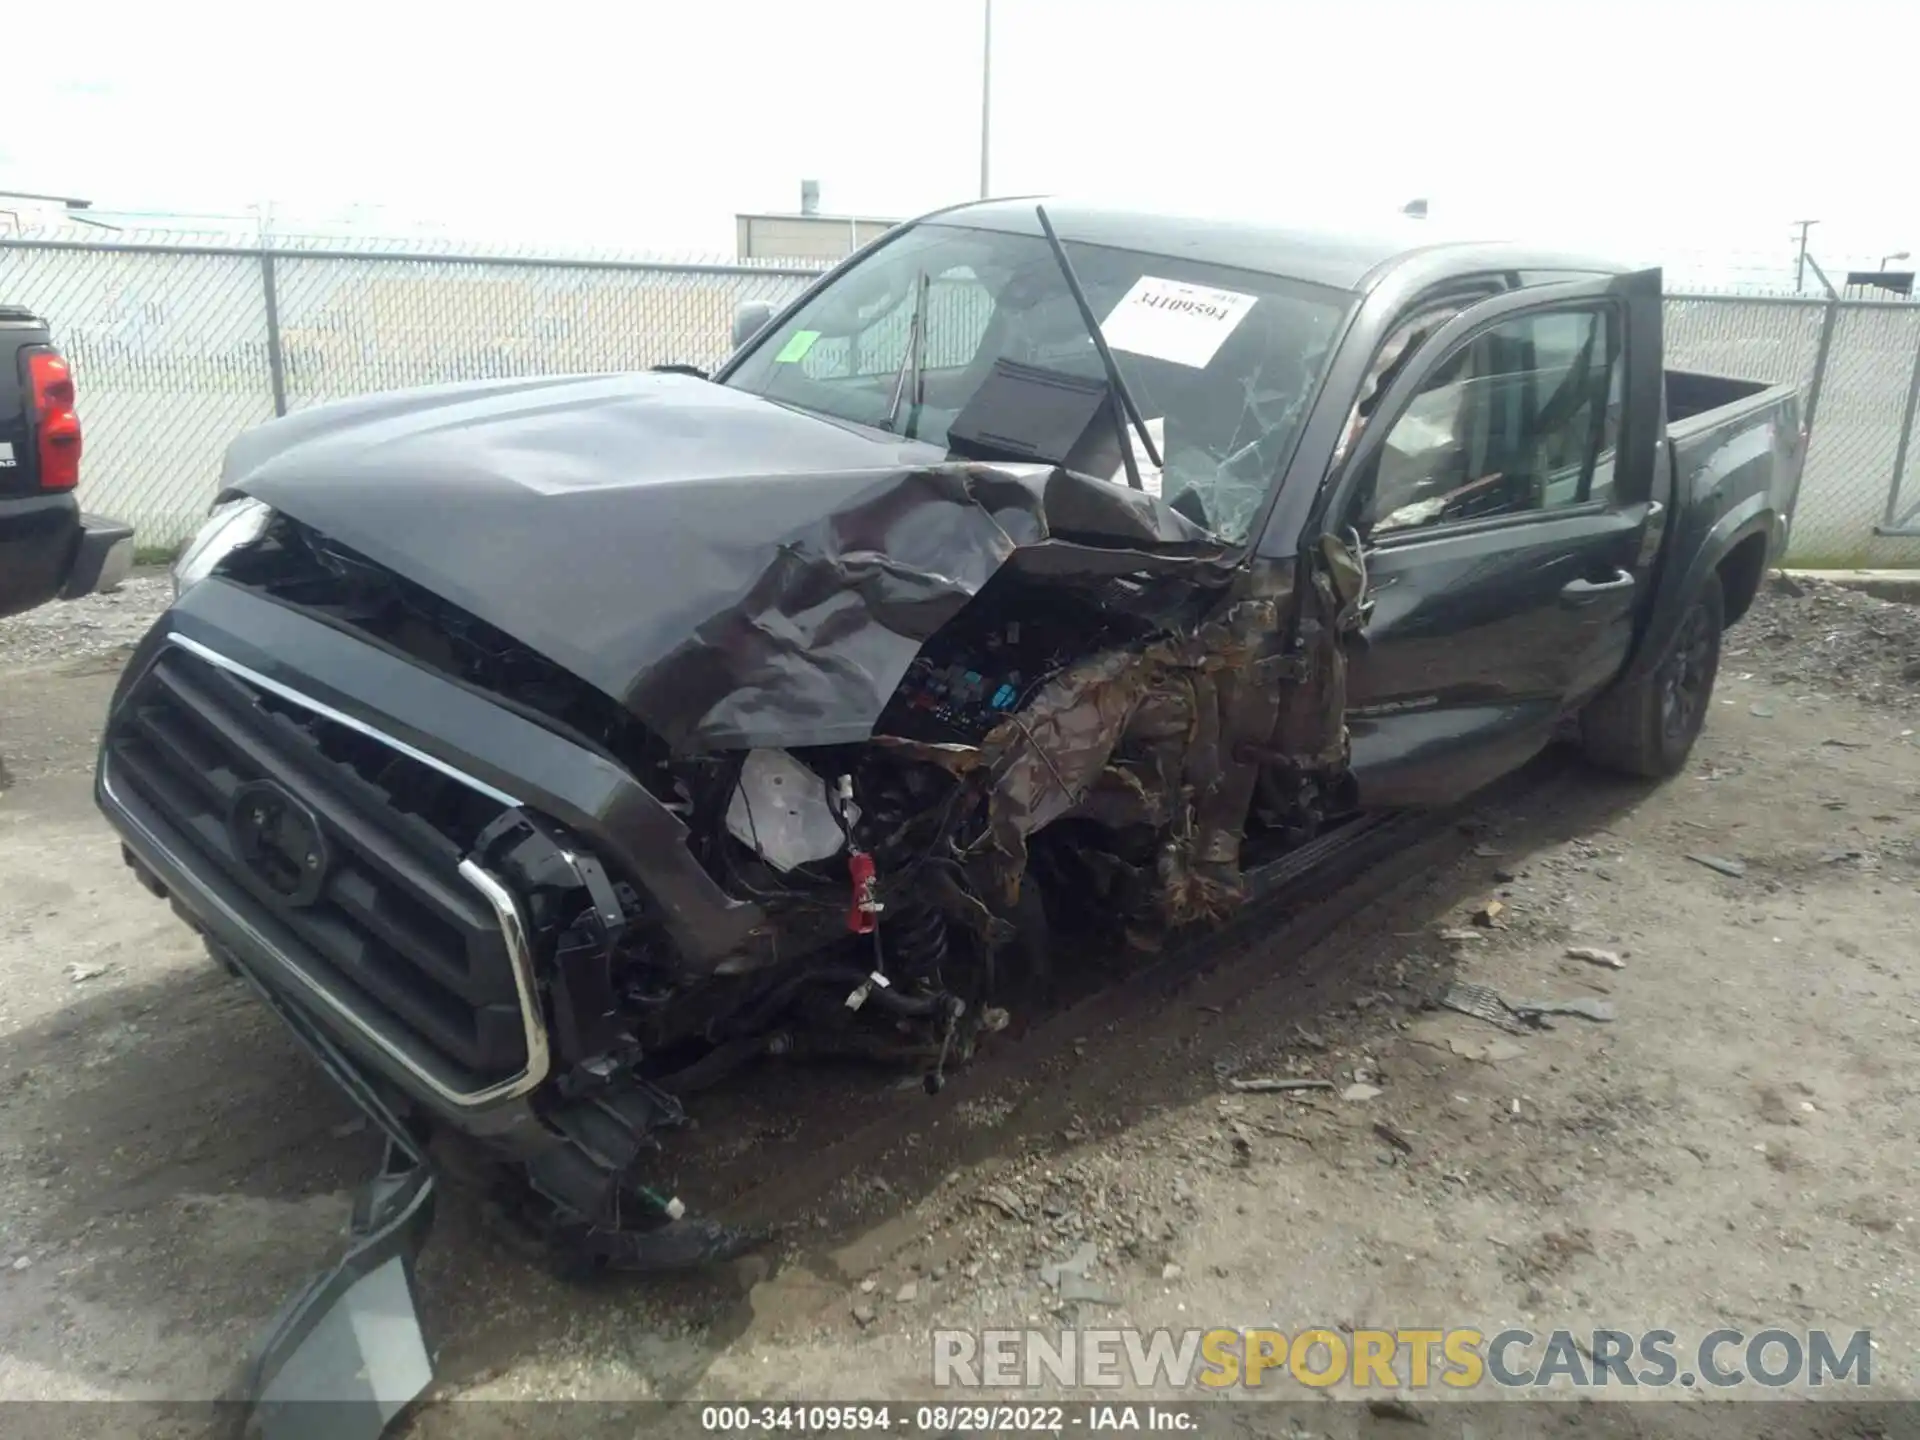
x,y
1127,408
912,363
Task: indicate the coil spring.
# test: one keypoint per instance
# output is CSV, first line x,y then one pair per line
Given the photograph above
x,y
917,938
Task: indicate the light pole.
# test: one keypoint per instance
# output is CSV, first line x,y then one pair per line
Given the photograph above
x,y
986,92
1800,269
1897,255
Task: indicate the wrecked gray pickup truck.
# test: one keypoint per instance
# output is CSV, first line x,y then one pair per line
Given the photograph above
x,y
546,749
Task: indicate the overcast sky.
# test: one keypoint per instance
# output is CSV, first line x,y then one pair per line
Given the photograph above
x,y
1701,124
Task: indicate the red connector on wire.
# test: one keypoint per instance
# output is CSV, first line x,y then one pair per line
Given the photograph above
x,y
863,914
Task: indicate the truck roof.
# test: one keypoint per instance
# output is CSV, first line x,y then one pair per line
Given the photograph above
x,y
1342,260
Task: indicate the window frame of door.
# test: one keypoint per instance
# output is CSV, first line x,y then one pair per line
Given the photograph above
x,y
1588,295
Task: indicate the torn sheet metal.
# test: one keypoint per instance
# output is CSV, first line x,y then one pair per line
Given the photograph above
x,y
603,521
1173,736
1153,731
1177,736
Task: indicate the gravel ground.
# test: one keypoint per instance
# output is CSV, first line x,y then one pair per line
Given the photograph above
x,y
88,629
1817,638
1732,1147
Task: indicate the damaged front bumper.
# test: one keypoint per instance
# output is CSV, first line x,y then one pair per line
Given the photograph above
x,y
202,710
346,1354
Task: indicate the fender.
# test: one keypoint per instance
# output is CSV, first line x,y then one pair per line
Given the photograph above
x,y
1677,587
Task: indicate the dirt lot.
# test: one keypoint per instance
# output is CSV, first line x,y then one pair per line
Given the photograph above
x,y
1733,1148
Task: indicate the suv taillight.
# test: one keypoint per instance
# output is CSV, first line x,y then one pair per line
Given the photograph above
x,y
56,424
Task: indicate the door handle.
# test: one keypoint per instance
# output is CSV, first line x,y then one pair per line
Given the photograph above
x,y
1582,592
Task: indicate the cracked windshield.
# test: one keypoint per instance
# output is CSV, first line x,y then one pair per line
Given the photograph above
x,y
1222,364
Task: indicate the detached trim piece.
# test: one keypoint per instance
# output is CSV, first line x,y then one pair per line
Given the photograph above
x,y
499,899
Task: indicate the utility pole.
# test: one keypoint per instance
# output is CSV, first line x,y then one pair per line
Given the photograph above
x,y
986,93
1800,269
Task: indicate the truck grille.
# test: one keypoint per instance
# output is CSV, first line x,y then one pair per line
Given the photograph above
x,y
396,934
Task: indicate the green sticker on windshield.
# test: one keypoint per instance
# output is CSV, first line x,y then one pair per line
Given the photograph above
x,y
795,350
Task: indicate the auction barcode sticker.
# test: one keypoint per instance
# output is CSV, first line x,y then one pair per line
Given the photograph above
x,y
1168,320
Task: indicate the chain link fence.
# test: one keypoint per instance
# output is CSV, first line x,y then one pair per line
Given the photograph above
x,y
1858,360
177,348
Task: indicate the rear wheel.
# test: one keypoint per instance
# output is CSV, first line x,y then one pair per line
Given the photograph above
x,y
1647,726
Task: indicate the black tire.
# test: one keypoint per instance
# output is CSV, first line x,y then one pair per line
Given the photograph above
x,y
1647,726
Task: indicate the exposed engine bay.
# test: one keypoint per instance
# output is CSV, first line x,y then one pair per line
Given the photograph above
x,y
1089,762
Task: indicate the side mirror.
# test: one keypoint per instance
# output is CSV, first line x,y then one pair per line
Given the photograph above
x,y
750,319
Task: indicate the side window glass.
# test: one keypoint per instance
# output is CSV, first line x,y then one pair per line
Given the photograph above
x,y
1521,418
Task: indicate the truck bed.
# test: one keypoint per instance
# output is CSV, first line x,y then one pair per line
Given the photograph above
x,y
1694,400
1738,444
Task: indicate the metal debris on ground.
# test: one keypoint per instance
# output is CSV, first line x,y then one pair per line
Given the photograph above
x,y
1483,1003
1732,868
1265,1085
1600,1010
1393,1137
1055,1272
79,974
1360,1091
1593,955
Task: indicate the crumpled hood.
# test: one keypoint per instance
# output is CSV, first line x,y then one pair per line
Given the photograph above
x,y
733,571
